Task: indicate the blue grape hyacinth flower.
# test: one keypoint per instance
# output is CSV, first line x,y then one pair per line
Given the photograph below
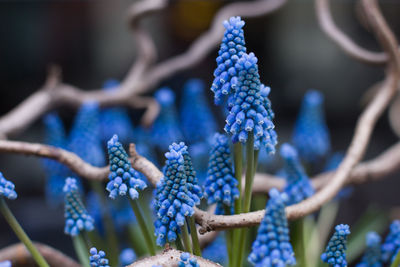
x,y
392,243
98,258
216,251
335,253
115,120
232,48
77,218
123,178
221,185
187,261
85,138
298,185
173,201
7,188
248,114
197,120
311,134
272,246
166,127
127,256
372,254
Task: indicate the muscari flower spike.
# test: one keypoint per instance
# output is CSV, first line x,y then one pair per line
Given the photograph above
x,y
248,114
232,48
85,136
221,185
335,252
311,134
7,188
123,178
127,256
272,246
391,245
187,261
372,254
166,127
173,201
115,120
98,258
77,219
298,185
197,120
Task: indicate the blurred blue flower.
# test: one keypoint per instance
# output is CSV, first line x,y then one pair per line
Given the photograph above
x,y
216,251
187,261
96,210
298,185
127,257
5,264
335,253
221,185
7,188
166,127
199,153
85,138
122,213
311,134
123,178
197,120
173,201
333,162
272,246
98,259
391,245
144,144
77,219
232,48
372,254
248,114
115,120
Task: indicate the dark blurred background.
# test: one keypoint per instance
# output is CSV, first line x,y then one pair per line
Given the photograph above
x,y
90,40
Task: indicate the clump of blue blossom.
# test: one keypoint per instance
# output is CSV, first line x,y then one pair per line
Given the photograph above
x,y
187,261
392,243
311,134
335,252
272,246
372,254
127,256
221,185
123,178
98,258
232,48
7,188
298,185
77,219
248,114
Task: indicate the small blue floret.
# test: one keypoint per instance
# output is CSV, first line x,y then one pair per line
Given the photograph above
x,y
187,261
98,258
7,188
392,243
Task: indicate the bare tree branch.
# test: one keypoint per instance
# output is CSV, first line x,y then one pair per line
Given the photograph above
x,y
18,254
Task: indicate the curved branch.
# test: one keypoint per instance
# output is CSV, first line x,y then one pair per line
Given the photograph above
x,y
18,254
170,257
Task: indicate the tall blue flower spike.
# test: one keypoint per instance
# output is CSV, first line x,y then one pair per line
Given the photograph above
x,y
221,185
392,243
127,256
232,48
166,127
123,178
298,185
98,258
7,188
55,172
249,114
173,202
372,254
311,134
85,139
272,246
335,253
197,120
216,251
77,219
187,261
115,120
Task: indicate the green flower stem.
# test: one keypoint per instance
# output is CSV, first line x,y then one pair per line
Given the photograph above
x,y
299,241
111,236
396,261
238,162
143,226
136,240
81,250
178,243
186,238
229,238
95,239
195,238
12,221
